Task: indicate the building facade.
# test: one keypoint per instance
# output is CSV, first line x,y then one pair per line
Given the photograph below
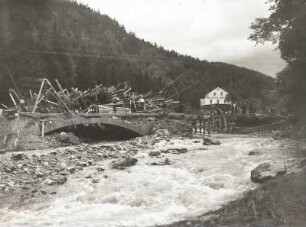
x,y
216,96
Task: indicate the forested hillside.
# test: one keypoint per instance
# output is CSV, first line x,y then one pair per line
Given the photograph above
x,y
80,47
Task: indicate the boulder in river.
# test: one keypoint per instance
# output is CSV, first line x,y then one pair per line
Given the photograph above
x,y
124,162
82,164
154,153
211,141
71,170
303,163
39,173
60,179
266,171
69,138
166,162
100,169
176,150
8,167
49,181
95,181
255,152
18,157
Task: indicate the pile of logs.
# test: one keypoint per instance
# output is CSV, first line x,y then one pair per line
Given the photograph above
x,y
55,99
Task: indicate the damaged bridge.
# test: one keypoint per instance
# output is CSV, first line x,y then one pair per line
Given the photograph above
x,y
55,123
27,124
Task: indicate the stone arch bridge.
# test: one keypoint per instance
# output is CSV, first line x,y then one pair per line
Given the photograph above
x,y
55,123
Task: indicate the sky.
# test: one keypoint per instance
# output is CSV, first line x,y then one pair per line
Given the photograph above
x,y
212,30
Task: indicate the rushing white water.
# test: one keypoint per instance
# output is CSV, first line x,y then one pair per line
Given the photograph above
x,y
146,195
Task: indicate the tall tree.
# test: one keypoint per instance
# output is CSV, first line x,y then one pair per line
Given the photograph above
x,y
286,27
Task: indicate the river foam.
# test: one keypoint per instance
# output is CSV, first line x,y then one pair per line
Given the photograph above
x,y
146,195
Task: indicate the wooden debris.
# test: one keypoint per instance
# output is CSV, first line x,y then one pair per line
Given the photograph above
x,y
118,99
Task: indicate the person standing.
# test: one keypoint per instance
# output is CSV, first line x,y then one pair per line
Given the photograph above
x,y
244,108
142,103
114,101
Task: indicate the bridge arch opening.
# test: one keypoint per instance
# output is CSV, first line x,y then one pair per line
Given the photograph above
x,y
91,133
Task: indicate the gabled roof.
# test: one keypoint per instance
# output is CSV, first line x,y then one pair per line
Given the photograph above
x,y
217,89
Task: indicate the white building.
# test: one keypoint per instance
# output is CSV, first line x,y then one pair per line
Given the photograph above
x,y
216,96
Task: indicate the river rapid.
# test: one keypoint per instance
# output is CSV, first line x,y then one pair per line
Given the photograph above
x,y
201,180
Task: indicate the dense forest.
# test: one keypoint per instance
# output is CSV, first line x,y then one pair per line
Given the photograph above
x,y
81,48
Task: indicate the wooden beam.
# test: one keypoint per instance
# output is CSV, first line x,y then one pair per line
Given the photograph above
x,y
12,79
16,95
177,79
13,100
48,101
38,96
184,90
59,98
47,92
31,94
6,107
61,89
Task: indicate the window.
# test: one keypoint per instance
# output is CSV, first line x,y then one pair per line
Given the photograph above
x,y
211,101
214,93
218,101
221,93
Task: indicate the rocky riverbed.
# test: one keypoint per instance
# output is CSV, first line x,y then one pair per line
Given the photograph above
x,y
28,173
31,173
145,181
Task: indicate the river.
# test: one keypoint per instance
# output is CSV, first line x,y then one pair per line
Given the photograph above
x,y
201,180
